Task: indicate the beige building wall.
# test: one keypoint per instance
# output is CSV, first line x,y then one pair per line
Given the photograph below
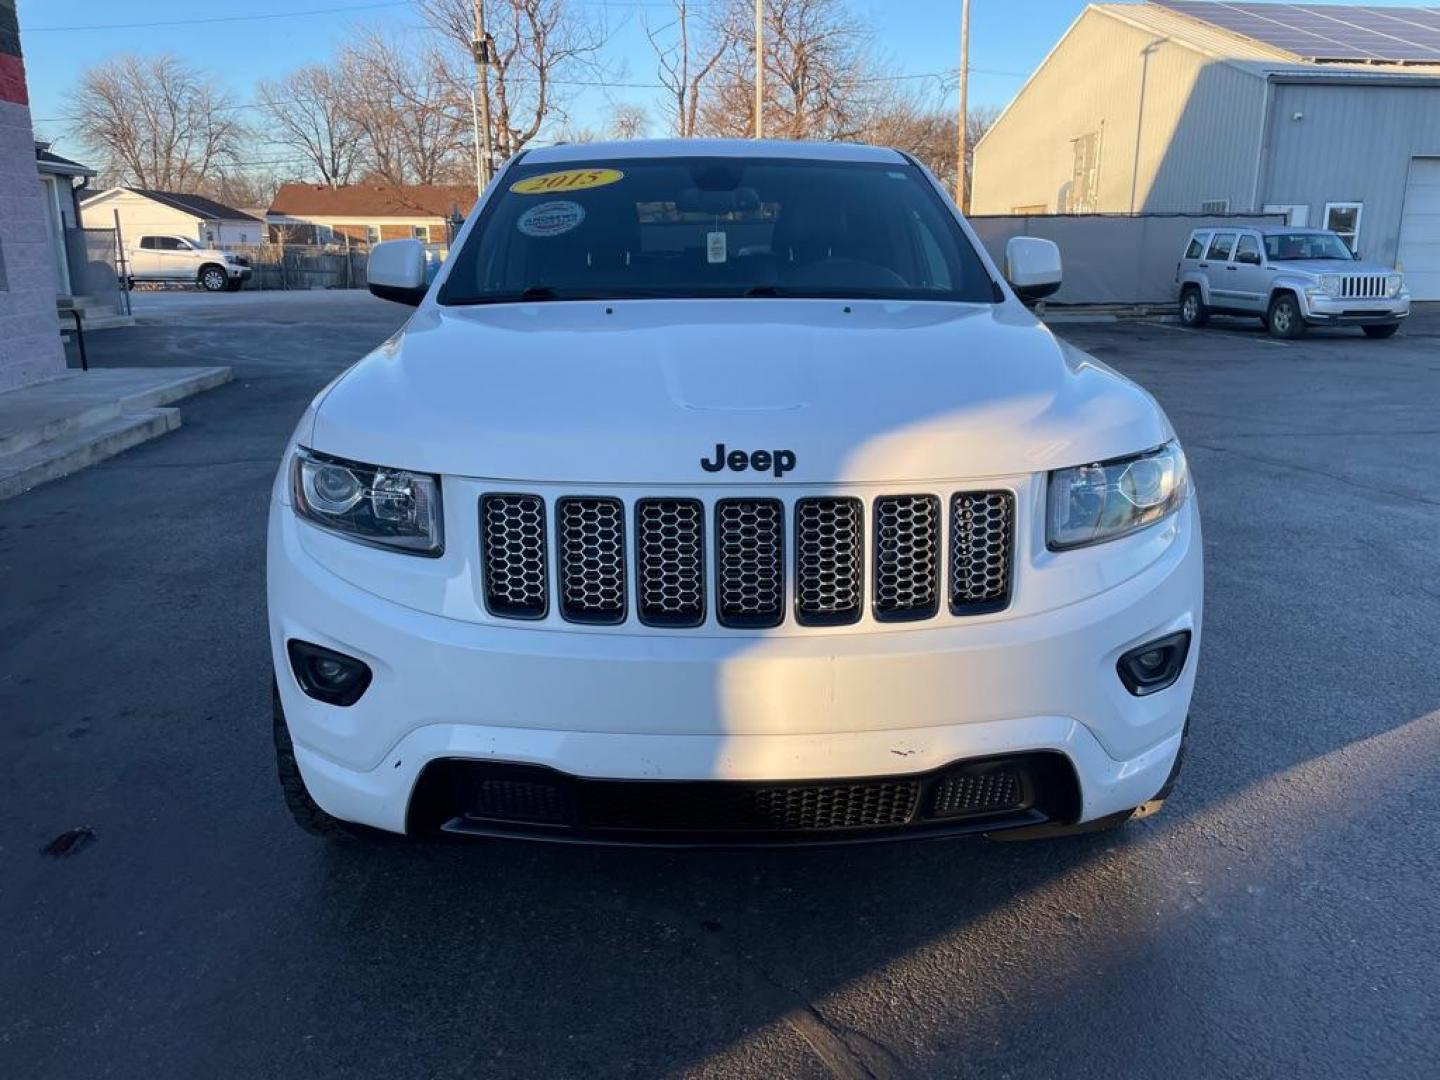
x,y
1194,135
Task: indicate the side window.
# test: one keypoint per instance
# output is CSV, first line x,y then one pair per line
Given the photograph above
x,y
1197,246
147,243
1248,250
168,243
1221,246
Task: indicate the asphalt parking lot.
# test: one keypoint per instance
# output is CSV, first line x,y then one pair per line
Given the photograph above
x,y
1278,919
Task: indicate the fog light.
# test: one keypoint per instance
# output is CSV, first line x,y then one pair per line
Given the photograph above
x,y
1154,665
327,675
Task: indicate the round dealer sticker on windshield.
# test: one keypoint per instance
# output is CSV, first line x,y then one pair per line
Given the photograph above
x,y
551,219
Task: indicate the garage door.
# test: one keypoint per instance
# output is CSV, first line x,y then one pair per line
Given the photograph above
x,y
1419,252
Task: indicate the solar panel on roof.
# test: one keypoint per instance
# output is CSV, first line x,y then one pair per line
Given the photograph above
x,y
1358,32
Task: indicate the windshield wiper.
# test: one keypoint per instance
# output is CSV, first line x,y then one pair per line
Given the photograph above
x,y
761,290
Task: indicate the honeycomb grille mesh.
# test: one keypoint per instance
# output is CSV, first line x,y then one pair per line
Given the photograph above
x,y
982,527
972,793
907,557
590,539
670,561
512,531
750,562
829,560
731,807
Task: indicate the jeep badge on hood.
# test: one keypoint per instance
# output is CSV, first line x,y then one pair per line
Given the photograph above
x,y
778,461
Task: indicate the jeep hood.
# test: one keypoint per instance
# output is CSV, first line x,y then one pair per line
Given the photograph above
x,y
639,391
1332,266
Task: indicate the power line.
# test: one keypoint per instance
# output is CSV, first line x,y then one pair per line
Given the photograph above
x,y
343,9
219,18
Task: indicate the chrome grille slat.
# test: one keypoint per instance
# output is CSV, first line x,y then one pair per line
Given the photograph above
x,y
750,562
670,561
590,542
982,528
907,557
512,546
829,560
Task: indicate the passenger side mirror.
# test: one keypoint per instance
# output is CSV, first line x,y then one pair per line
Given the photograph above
x,y
1250,257
1032,267
396,271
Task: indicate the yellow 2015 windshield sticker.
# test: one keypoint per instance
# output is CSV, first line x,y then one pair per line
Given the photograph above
x,y
569,180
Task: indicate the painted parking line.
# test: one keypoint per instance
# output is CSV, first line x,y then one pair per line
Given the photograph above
x,y
1263,340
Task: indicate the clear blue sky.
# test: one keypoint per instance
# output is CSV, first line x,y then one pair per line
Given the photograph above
x,y
1008,39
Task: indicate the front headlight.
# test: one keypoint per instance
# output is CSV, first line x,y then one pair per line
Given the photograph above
x,y
1326,285
1105,500
391,508
1394,285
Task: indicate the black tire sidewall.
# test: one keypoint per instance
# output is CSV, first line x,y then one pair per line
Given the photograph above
x,y
1199,319
208,274
1296,322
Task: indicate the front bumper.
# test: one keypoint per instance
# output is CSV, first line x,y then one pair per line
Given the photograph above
x,y
241,272
739,706
1335,311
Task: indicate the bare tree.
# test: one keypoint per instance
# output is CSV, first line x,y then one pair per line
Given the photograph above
x,y
404,107
629,122
819,75
155,123
687,52
308,112
536,46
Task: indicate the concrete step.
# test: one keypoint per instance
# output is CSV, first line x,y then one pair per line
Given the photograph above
x,y
55,427
57,457
78,400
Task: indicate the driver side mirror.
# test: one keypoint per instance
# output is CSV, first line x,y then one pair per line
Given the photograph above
x,y
396,271
1032,267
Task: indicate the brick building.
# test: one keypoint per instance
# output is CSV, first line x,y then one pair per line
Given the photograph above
x,y
30,347
365,213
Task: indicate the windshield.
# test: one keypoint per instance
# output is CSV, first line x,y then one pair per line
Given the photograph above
x,y
716,227
1290,247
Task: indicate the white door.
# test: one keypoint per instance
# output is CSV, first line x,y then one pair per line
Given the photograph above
x,y
1419,252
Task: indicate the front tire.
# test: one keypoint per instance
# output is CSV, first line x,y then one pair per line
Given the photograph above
x,y
1193,312
213,279
305,810
1284,319
1381,331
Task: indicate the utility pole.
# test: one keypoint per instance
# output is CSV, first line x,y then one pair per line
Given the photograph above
x,y
759,69
963,148
480,49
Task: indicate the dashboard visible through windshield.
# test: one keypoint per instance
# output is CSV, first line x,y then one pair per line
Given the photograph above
x,y
667,228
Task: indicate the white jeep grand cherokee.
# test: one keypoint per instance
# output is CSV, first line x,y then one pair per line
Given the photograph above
x,y
724,492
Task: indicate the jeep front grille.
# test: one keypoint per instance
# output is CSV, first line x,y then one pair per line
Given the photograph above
x,y
590,539
907,557
829,560
512,544
750,562
1362,287
810,561
982,527
670,561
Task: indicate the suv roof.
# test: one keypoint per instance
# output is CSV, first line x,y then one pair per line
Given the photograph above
x,y
751,148
1263,230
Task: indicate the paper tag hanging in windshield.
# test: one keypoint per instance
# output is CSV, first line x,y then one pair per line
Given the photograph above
x,y
715,247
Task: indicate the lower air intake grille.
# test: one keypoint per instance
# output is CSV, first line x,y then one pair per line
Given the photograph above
x,y
590,538
512,541
907,557
829,561
670,561
750,807
982,537
976,793
750,562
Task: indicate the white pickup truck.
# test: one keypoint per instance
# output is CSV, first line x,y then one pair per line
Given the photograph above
x,y
176,258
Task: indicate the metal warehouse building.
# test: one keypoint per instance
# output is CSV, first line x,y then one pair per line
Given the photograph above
x,y
1330,114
